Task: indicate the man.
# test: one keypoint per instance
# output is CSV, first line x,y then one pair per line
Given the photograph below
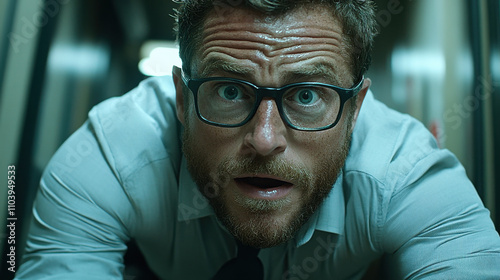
x,y
283,149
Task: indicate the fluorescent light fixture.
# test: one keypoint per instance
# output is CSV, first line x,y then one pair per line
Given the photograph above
x,y
158,58
81,60
416,62
495,63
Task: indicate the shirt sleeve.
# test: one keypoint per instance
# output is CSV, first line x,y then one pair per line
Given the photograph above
x,y
437,227
78,229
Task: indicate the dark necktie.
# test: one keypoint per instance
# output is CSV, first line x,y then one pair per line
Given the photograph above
x,y
246,266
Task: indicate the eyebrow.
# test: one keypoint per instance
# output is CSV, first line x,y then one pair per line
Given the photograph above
x,y
218,65
308,73
312,72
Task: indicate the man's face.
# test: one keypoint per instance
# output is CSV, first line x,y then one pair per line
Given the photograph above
x,y
265,179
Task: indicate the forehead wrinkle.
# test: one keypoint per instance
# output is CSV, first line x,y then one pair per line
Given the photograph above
x,y
243,43
267,39
233,48
275,26
237,39
266,32
274,46
309,48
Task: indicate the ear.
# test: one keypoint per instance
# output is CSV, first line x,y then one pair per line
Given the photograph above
x,y
359,101
179,96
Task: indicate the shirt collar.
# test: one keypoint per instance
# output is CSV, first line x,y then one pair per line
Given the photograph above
x,y
330,217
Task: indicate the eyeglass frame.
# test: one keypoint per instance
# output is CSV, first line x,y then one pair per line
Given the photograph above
x,y
277,94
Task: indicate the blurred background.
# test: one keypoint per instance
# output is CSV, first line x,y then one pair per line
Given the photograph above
x,y
437,60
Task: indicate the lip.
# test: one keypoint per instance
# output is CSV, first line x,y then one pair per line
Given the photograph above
x,y
278,189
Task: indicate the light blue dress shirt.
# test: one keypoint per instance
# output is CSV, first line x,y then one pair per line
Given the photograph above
x,y
122,175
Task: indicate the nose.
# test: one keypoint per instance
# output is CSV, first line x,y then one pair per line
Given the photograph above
x,y
267,131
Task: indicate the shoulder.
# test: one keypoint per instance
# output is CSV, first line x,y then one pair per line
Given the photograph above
x,y
395,173
139,127
129,149
391,148
393,153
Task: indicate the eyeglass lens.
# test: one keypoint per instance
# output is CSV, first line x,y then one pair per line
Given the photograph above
x,y
231,102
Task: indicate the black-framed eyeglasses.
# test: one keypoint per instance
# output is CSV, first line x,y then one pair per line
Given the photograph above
x,y
307,106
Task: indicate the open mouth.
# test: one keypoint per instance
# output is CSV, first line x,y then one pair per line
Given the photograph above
x,y
263,187
263,183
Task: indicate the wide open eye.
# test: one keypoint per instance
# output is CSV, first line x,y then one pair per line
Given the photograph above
x,y
306,96
225,101
230,91
311,105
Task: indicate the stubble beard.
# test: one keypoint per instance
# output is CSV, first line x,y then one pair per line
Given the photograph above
x,y
263,227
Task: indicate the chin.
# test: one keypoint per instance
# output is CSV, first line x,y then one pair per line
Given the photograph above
x,y
262,230
258,226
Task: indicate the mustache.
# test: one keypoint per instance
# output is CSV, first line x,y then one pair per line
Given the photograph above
x,y
287,171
